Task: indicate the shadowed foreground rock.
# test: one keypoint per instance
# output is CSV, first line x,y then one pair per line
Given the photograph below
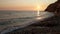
x,y
48,26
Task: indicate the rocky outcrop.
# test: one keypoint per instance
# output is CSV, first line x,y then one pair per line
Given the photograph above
x,y
54,7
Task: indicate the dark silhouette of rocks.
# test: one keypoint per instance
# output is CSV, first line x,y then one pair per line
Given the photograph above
x,y
54,7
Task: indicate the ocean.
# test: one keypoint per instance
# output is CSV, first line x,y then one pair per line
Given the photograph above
x,y
6,17
19,16
12,19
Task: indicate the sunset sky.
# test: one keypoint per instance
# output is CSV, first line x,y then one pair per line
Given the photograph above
x,y
24,4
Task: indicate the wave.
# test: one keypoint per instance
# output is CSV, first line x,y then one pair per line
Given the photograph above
x,y
21,22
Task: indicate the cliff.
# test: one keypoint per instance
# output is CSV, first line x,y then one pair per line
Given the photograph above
x,y
54,7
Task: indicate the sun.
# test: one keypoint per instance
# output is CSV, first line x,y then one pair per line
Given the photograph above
x,y
38,7
38,10
41,7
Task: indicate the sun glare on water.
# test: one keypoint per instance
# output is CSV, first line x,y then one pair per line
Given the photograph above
x,y
38,12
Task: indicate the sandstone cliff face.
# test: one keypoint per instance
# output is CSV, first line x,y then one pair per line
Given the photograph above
x,y
55,8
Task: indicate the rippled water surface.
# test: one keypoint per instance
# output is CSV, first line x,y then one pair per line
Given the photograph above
x,y
10,17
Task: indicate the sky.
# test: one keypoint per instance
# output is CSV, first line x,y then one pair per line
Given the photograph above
x,y
24,4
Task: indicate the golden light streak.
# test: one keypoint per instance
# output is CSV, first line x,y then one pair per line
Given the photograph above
x,y
38,10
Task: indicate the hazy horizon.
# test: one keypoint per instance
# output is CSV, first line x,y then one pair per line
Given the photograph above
x,y
24,4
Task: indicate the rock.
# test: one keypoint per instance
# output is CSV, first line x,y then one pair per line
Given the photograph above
x,y
54,7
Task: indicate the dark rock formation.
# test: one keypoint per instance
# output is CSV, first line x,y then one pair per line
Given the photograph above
x,y
54,7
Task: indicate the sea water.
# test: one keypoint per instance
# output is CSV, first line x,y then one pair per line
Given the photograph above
x,y
18,18
10,17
